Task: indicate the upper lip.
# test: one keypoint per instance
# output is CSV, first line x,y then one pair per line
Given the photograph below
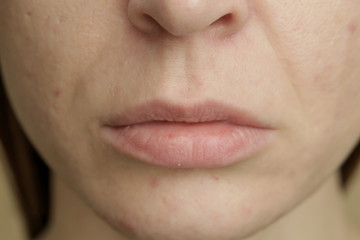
x,y
207,111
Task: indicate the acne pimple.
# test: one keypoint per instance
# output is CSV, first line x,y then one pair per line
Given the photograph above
x,y
216,178
247,211
57,93
352,27
128,227
292,174
154,182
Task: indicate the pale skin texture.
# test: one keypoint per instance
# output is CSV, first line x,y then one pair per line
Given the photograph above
x,y
68,63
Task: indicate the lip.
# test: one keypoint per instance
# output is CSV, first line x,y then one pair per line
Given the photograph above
x,y
205,135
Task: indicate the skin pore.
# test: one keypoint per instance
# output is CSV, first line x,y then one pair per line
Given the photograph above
x,y
68,65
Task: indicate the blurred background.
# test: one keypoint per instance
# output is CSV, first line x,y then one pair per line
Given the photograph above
x,y
12,226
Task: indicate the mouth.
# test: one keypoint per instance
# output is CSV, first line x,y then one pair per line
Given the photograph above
x,y
207,135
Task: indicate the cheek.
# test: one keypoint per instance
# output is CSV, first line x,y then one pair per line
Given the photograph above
x,y
329,91
325,69
332,88
30,68
42,56
321,57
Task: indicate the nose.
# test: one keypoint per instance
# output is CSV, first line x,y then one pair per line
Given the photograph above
x,y
185,17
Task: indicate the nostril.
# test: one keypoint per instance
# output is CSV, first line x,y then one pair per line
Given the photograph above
x,y
226,19
181,18
149,19
148,24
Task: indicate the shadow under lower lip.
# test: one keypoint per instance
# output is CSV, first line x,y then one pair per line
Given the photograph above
x,y
182,145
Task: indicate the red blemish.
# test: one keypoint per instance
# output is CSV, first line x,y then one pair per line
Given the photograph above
x,y
57,93
154,182
216,178
352,27
247,210
128,227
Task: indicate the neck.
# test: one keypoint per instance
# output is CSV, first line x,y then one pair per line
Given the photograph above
x,y
323,216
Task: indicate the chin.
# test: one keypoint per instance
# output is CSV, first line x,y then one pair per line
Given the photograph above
x,y
185,226
191,208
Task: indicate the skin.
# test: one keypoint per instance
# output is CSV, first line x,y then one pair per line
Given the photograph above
x,y
67,64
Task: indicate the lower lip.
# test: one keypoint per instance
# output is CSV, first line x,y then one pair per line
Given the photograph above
x,y
187,145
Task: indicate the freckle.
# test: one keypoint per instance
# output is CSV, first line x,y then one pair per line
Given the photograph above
x,y
57,93
29,13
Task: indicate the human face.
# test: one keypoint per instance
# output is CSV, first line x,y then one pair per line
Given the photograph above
x,y
71,65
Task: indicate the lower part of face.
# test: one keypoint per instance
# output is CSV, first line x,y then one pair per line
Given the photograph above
x,y
68,64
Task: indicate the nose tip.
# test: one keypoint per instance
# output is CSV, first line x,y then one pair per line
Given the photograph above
x,y
185,17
